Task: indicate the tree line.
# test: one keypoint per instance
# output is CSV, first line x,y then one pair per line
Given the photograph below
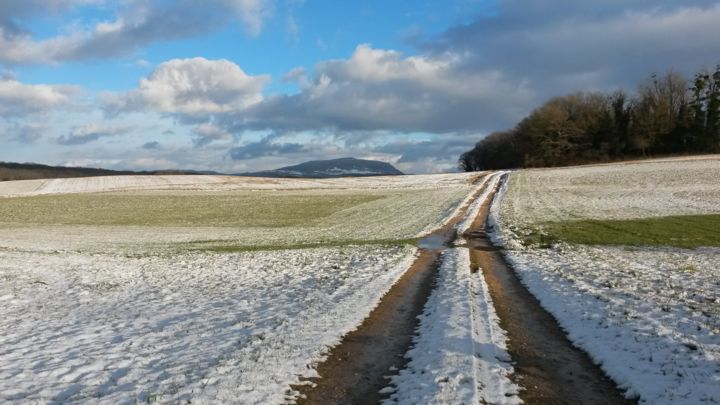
x,y
668,115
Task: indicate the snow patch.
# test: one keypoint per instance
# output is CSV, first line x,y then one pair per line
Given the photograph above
x,y
208,328
459,354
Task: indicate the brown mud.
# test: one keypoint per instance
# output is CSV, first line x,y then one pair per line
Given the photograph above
x,y
547,366
355,370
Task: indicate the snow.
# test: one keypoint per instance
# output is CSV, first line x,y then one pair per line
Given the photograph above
x,y
230,328
410,206
102,314
459,354
620,191
398,215
649,316
474,208
218,183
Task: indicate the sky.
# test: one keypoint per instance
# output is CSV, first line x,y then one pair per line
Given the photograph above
x,y
246,85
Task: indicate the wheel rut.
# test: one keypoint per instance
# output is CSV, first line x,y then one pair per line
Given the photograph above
x,y
547,366
355,370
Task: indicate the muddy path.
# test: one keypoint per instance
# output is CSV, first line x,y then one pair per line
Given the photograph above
x,y
356,369
547,366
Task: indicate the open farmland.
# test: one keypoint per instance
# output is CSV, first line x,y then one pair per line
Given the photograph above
x,y
234,290
197,291
222,213
648,314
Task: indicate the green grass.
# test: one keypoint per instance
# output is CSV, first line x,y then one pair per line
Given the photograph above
x,y
229,247
687,231
247,209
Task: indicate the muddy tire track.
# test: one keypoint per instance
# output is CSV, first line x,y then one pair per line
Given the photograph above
x,y
356,369
547,366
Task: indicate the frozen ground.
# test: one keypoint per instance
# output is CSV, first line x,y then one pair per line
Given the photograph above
x,y
220,183
649,316
231,328
491,181
133,313
459,355
620,191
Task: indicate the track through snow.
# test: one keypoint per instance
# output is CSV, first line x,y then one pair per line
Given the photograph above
x,y
459,355
484,338
649,316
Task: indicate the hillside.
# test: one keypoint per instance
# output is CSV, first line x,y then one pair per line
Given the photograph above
x,y
31,171
343,167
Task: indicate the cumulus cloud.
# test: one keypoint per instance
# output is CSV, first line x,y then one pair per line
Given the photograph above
x,y
152,145
265,147
207,133
18,99
191,87
27,132
83,134
138,23
437,154
475,78
559,47
378,89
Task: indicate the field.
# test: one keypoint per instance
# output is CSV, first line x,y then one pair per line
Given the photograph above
x,y
219,289
150,214
648,309
194,288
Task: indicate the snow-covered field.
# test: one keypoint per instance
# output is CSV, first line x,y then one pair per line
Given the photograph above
x,y
403,207
221,183
95,313
135,313
231,328
619,191
649,316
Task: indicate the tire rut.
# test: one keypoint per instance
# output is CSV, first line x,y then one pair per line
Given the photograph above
x,y
357,368
548,368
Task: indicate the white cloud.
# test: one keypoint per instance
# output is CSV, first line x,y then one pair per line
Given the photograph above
x,y
252,13
558,47
207,133
138,23
91,132
193,87
378,89
18,99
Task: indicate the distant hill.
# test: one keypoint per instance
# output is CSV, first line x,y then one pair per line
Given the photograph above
x,y
31,171
343,167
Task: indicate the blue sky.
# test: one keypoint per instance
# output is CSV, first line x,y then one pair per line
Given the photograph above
x,y
238,85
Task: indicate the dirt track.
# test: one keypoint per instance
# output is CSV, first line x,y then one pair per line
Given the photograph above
x,y
547,367
355,370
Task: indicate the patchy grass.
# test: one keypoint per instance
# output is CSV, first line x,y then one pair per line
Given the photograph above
x,y
229,247
686,231
158,221
255,209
